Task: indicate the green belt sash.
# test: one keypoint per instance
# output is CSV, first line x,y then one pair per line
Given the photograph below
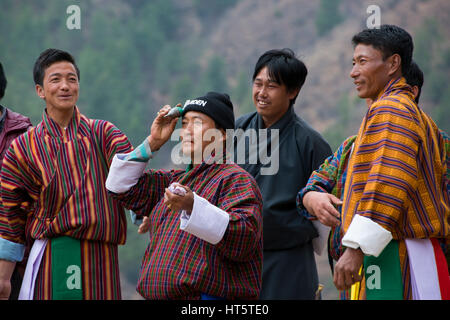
x,y
66,269
383,274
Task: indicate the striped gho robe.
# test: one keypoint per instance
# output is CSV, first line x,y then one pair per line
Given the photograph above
x,y
53,184
180,265
396,175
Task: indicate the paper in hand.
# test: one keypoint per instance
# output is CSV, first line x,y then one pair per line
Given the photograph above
x,y
175,188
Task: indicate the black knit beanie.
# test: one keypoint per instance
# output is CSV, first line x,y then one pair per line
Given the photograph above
x,y
216,105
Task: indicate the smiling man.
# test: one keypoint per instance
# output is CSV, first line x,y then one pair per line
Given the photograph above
x,y
289,268
395,212
54,196
205,221
325,187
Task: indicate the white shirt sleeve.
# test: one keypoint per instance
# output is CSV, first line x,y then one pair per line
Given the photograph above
x,y
127,168
123,174
368,235
206,221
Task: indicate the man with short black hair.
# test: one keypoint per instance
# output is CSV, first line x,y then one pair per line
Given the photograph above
x,y
53,191
289,268
395,209
323,194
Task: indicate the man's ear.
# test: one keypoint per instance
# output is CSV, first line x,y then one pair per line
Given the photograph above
x,y
395,64
40,91
415,90
292,94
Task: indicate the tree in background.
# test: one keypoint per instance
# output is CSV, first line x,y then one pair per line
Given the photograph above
x,y
432,54
346,114
328,16
137,55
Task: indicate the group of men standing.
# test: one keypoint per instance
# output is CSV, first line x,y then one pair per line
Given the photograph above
x,y
220,229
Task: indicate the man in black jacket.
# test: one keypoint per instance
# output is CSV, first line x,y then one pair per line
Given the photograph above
x,y
289,268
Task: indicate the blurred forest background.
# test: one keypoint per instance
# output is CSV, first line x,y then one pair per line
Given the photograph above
x,y
137,55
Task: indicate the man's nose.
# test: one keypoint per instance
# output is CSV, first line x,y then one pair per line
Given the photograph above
x,y
186,132
263,91
354,72
64,85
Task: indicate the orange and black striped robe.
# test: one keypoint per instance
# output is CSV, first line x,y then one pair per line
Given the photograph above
x,y
396,175
53,184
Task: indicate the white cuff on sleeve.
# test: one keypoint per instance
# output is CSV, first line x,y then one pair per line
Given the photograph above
x,y
368,235
206,221
123,174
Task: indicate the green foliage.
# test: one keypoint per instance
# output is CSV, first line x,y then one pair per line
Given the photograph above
x,y
425,39
241,95
433,57
130,254
183,89
214,78
207,9
327,16
128,53
342,129
136,54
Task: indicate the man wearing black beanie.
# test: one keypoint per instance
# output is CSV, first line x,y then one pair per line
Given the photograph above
x,y
218,106
205,222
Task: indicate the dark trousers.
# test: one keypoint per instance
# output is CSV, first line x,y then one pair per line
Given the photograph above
x,y
16,283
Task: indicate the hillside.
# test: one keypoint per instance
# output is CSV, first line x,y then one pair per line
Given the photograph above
x,y
137,55
254,26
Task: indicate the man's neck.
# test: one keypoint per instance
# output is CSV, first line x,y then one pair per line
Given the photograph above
x,y
216,155
62,118
270,121
394,77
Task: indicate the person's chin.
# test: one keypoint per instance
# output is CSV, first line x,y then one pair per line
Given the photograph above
x,y
262,110
361,94
66,105
187,152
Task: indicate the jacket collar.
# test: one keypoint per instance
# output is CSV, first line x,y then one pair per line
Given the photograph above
x,y
282,123
396,85
13,121
3,116
212,159
54,130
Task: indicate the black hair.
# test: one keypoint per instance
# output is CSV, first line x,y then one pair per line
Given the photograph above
x,y
414,77
3,82
389,39
46,59
284,68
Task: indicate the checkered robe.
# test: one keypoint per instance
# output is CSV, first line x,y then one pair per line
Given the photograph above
x,y
177,264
